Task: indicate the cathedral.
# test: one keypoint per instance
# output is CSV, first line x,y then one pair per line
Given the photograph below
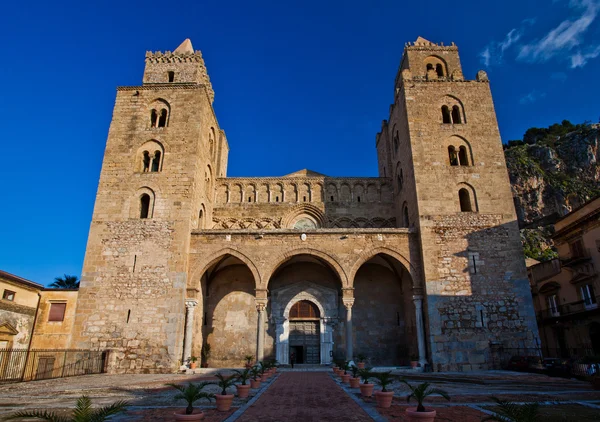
x,y
421,263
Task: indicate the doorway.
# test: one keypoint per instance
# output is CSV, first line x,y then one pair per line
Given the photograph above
x,y
304,337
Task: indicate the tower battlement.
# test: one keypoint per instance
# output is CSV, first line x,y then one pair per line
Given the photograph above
x,y
184,65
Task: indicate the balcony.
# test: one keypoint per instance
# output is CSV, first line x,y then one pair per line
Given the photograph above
x,y
583,256
569,309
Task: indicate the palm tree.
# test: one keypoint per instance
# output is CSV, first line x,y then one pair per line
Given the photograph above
x,y
83,412
511,412
420,392
192,393
66,282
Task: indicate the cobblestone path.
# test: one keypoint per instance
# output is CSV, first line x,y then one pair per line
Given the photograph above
x,y
304,396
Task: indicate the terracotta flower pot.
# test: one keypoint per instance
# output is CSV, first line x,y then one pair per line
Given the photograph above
x,y
414,363
360,365
197,415
255,383
248,365
354,382
384,399
224,402
242,390
414,416
193,365
345,378
366,390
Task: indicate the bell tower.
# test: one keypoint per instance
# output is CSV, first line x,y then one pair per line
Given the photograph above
x,y
163,153
442,147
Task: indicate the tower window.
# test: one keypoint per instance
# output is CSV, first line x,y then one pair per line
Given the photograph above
x,y
439,69
276,199
446,118
456,115
462,156
405,216
400,180
144,205
429,67
249,199
153,118
304,199
465,200
146,161
162,121
452,156
358,198
156,161
171,76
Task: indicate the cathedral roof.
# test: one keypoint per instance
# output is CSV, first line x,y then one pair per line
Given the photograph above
x,y
185,47
305,173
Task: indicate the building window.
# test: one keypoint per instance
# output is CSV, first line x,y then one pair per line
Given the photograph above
x,y
588,296
553,302
156,161
452,155
465,200
456,115
162,121
462,156
8,295
153,118
446,117
439,69
144,205
577,249
171,76
405,216
57,312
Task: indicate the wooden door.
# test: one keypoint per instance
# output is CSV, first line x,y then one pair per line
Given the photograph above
x,y
306,334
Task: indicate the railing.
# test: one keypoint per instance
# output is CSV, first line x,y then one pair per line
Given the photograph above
x,y
569,308
28,365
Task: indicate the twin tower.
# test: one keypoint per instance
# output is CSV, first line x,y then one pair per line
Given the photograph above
x,y
423,260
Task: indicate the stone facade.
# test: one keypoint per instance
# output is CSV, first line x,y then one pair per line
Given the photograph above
x,y
424,260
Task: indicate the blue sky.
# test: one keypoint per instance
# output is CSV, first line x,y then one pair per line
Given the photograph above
x,y
299,84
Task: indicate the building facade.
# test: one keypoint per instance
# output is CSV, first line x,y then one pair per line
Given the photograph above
x,y
424,260
565,290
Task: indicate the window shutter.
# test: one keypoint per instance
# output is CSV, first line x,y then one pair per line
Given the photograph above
x,y
57,311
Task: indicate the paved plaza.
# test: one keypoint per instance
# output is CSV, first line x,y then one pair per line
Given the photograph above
x,y
311,395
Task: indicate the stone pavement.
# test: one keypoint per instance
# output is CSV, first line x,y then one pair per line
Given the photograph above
x,y
304,396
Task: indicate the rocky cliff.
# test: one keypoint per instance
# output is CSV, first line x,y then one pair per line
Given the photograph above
x,y
552,171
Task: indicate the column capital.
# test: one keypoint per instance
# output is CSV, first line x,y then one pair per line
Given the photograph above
x,y
261,294
191,303
348,302
348,293
260,305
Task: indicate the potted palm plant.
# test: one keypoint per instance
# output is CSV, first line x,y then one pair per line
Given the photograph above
x,y
243,389
414,360
345,374
384,397
366,389
354,379
248,361
205,355
83,412
361,358
191,393
419,393
193,360
255,379
224,400
262,367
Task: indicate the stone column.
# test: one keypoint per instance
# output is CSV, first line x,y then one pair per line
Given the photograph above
x,y
418,301
260,338
349,352
190,306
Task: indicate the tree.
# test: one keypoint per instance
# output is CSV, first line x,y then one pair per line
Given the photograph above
x,y
66,282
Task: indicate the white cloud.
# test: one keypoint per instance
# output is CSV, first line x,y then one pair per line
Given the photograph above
x,y
531,97
493,53
565,38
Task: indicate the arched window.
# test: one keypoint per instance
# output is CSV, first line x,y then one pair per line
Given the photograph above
x,y
429,67
153,118
405,216
144,206
463,158
452,155
162,121
304,310
396,141
439,69
146,161
456,115
171,76
400,180
446,115
465,200
156,161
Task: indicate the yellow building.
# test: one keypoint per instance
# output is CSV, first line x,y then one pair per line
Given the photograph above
x,y
565,290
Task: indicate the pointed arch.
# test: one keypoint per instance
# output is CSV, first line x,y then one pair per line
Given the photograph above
x,y
328,259
369,254
205,263
303,209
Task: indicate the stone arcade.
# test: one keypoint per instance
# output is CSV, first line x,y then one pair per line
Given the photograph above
x,y
423,260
